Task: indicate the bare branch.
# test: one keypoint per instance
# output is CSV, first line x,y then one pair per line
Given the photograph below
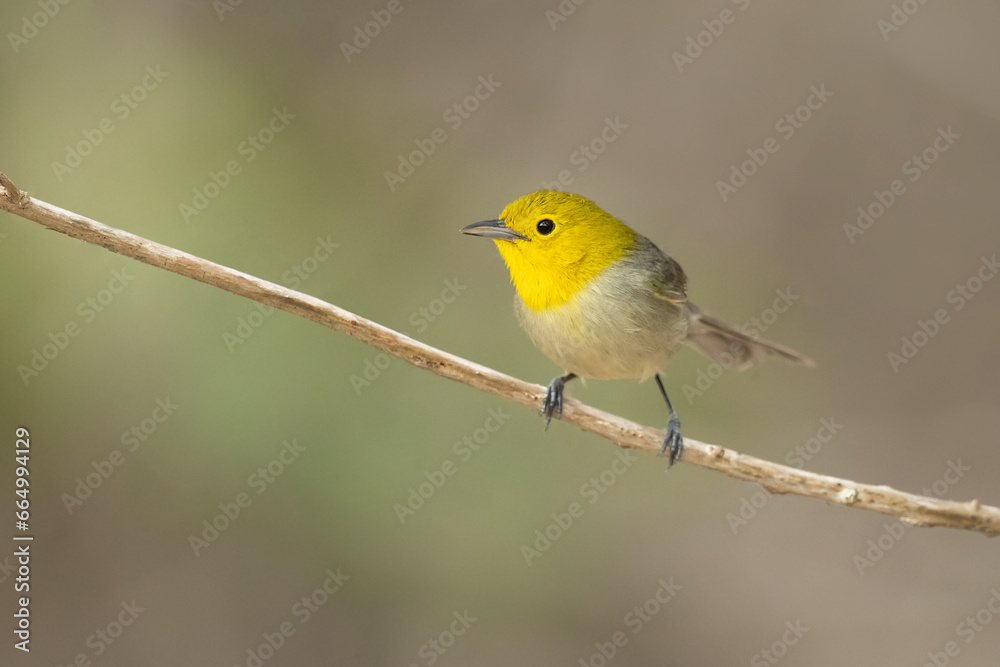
x,y
909,508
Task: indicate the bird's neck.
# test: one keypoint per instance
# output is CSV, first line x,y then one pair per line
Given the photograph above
x,y
555,279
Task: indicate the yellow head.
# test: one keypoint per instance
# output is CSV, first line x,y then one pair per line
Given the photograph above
x,y
554,243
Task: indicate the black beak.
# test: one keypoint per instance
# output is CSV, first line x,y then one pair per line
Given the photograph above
x,y
493,229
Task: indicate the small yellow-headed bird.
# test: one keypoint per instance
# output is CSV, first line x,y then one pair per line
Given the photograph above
x,y
603,302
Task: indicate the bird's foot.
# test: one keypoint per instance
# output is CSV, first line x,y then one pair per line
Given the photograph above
x,y
672,439
553,400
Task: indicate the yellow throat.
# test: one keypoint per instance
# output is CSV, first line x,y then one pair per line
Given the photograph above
x,y
548,269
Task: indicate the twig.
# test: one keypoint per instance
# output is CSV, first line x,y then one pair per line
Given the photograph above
x,y
909,508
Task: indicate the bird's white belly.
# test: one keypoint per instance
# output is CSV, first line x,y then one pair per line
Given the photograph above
x,y
607,332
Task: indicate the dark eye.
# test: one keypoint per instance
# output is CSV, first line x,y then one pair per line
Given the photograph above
x,y
545,227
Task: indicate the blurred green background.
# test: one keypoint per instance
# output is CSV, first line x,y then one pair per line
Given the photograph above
x,y
200,80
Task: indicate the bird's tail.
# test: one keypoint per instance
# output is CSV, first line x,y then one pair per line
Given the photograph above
x,y
729,346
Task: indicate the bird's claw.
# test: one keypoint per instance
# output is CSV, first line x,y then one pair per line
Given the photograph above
x,y
672,439
553,400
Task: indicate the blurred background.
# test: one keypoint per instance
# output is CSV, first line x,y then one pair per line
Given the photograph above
x,y
217,484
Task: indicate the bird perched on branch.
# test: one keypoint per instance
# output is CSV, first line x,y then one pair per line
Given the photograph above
x,y
603,302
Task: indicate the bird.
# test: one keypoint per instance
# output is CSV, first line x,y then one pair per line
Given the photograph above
x,y
604,302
